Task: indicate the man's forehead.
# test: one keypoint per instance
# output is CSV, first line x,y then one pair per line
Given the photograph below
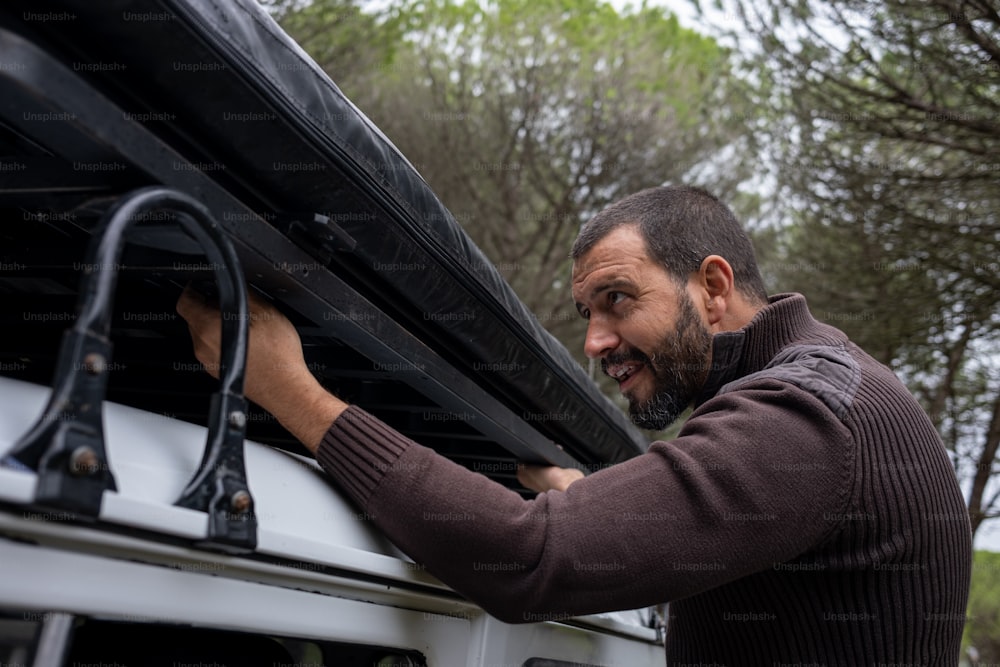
x,y
622,247
621,265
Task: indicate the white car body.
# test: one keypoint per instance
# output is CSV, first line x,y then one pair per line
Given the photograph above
x,y
321,571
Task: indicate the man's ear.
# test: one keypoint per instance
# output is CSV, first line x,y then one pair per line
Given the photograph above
x,y
716,286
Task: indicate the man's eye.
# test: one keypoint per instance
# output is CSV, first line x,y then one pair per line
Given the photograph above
x,y
616,297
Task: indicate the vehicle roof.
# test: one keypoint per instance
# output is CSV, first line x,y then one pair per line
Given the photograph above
x,y
300,514
302,518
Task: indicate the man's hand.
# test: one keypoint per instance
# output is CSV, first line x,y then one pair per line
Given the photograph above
x,y
277,377
546,478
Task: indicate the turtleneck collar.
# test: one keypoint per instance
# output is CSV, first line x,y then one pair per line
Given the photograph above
x,y
784,320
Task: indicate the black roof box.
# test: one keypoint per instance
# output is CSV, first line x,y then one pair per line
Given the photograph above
x,y
223,87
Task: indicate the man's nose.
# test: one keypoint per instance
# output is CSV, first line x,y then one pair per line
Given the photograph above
x,y
601,338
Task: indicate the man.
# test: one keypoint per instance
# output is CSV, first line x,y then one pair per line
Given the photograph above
x,y
806,513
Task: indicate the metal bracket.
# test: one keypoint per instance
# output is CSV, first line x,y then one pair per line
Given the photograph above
x,y
219,487
66,445
317,234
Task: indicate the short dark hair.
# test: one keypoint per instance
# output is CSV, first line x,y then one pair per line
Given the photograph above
x,y
681,226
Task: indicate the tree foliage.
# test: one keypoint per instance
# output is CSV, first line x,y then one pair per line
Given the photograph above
x,y
981,639
350,43
528,116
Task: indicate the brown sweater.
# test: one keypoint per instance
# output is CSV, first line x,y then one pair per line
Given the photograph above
x,y
807,513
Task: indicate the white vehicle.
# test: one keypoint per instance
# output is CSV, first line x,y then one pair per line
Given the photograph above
x,y
148,145
322,586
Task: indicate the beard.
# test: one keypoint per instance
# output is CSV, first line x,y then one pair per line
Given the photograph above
x,y
679,364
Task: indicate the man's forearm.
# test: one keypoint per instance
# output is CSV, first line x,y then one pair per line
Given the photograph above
x,y
306,412
277,377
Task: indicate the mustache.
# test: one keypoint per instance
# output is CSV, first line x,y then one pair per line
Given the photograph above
x,y
623,357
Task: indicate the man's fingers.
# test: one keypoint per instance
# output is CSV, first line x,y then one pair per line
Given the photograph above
x,y
546,478
258,308
195,307
534,477
205,325
524,478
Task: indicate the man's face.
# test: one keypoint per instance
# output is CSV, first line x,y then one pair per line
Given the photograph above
x,y
643,327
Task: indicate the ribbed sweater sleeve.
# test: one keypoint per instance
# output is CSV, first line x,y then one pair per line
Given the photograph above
x,y
747,484
358,450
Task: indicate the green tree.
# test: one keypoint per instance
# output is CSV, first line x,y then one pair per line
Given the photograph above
x,y
982,627
528,116
353,45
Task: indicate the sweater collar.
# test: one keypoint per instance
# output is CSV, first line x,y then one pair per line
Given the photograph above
x,y
785,319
